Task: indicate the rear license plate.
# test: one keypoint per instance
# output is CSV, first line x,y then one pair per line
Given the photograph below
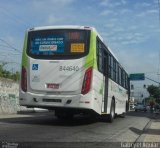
x,y
52,86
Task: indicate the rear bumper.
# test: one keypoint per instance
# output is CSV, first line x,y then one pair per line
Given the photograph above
x,y
78,101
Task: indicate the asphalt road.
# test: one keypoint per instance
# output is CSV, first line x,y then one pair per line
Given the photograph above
x,y
45,127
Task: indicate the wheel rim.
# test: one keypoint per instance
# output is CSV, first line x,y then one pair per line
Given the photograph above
x,y
112,111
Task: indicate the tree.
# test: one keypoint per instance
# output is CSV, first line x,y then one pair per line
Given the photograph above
x,y
16,76
1,70
154,92
8,74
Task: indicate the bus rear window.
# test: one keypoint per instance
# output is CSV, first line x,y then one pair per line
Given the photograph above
x,y
58,44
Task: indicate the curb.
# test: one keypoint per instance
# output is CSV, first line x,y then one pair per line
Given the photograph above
x,y
145,129
142,136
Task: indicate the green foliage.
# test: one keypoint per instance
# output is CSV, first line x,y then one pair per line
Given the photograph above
x,y
154,92
1,70
148,100
7,74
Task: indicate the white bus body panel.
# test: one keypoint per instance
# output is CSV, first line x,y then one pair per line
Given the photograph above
x,y
70,86
120,95
54,72
98,91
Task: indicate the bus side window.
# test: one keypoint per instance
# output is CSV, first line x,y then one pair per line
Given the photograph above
x,y
99,56
126,79
120,76
123,78
109,65
112,76
114,70
105,64
117,72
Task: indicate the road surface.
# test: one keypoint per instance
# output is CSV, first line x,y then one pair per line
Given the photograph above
x,y
44,127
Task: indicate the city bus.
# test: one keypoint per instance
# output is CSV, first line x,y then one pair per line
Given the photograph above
x,y
70,70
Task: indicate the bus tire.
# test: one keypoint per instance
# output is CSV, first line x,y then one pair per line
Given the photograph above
x,y
111,116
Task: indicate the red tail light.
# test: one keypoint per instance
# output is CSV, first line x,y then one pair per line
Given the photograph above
x,y
24,79
87,81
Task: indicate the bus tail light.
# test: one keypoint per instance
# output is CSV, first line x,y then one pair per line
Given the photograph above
x,y
24,79
87,81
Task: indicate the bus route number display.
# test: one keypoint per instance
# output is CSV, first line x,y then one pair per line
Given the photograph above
x,y
77,47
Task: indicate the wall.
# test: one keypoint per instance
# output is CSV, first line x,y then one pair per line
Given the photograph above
x,y
9,100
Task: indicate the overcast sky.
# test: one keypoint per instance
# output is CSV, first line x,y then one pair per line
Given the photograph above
x,y
131,28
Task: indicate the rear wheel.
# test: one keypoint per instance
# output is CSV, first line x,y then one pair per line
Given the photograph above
x,y
111,116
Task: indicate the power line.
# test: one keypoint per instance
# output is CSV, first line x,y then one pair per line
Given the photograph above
x,y
4,46
9,45
159,10
13,16
152,80
11,51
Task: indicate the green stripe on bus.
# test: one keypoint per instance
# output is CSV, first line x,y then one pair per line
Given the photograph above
x,y
91,57
24,56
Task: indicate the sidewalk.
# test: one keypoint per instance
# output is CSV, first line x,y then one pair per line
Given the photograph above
x,y
152,130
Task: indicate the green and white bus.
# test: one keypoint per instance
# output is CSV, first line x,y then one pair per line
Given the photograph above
x,y
69,69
